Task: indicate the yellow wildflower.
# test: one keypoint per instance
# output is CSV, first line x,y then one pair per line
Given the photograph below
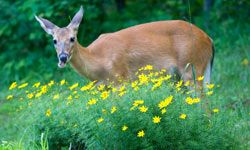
x,y
92,101
124,128
163,111
100,120
122,93
114,89
9,97
38,94
165,102
30,96
113,109
143,109
62,82
200,78
101,87
183,116
209,93
134,84
104,95
141,133
56,96
73,86
179,84
122,88
216,110
13,85
210,86
36,85
196,100
156,119
191,101
23,85
138,102
187,83
88,86
70,97
143,79
44,89
245,62
48,113
148,67
52,82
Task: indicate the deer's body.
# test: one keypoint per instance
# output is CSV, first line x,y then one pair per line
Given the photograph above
x,y
164,44
169,45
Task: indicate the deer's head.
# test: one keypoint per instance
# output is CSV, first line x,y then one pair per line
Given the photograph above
x,y
63,38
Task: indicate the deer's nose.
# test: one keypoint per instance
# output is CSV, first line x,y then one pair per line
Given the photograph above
x,y
63,58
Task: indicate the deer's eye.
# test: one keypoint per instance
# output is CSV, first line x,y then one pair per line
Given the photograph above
x,y
72,39
54,41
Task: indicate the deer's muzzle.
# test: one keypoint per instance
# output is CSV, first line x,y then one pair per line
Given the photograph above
x,y
63,57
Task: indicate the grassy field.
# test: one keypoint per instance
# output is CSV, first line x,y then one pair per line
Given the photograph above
x,y
79,115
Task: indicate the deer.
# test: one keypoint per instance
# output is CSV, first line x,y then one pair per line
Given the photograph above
x,y
167,44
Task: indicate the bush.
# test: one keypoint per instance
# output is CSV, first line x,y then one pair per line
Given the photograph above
x,y
152,112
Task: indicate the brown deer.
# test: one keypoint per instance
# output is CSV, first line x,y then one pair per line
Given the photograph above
x,y
164,44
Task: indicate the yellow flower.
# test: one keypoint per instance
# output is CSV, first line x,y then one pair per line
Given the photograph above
x,y
75,92
138,102
9,97
48,113
183,116
122,88
158,84
148,67
73,86
44,89
70,97
88,86
165,102
134,84
101,87
200,78
36,84
92,101
100,120
52,82
143,79
156,119
163,111
143,109
191,101
62,82
122,93
124,128
30,96
104,95
245,62
187,83
38,94
216,110
179,84
141,133
210,86
113,109
13,85
114,90
56,96
23,85
209,93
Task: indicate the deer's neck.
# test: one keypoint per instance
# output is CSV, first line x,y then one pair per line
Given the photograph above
x,y
81,60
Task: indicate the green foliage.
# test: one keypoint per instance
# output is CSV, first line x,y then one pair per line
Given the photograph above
x,y
89,116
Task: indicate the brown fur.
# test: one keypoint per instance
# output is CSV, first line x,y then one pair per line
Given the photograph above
x,y
163,44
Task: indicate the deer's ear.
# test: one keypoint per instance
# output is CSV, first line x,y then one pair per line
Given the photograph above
x,y
46,25
75,22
